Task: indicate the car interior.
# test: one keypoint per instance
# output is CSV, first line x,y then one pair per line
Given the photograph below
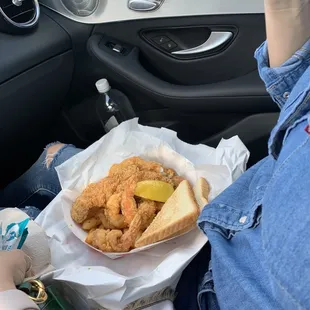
x,y
185,65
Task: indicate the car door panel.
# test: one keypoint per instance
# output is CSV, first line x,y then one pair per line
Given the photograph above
x,y
32,98
35,76
19,53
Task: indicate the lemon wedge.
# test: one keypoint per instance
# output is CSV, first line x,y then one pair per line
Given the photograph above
x,y
154,190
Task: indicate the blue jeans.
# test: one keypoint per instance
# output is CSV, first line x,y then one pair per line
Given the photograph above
x,y
37,186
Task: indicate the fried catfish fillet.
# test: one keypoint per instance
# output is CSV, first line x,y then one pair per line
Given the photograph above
x,y
92,199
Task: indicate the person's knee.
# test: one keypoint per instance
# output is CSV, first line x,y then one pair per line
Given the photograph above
x,y
51,151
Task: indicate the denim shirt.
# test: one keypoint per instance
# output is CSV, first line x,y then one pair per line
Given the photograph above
x,y
259,228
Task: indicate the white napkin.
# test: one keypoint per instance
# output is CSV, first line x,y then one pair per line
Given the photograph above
x,y
36,244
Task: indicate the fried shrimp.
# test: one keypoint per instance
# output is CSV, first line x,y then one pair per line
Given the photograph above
x,y
90,237
123,242
105,223
91,223
113,211
109,210
108,187
98,239
128,203
147,211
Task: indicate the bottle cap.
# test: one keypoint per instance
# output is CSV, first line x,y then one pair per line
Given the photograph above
x,y
103,86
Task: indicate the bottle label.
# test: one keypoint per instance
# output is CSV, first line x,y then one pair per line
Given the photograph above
x,y
111,123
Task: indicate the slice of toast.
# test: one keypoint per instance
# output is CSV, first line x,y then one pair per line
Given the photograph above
x,y
178,213
184,230
202,191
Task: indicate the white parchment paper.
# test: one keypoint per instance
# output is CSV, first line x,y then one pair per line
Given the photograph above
x,y
115,283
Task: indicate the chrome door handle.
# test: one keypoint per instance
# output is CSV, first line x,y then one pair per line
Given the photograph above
x,y
215,40
144,5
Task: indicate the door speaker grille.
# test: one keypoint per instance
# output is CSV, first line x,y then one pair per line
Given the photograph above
x,y
81,7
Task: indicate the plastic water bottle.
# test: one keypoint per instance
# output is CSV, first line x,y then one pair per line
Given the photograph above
x,y
109,112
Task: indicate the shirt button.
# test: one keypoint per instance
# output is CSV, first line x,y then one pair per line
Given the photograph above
x,y
243,219
286,95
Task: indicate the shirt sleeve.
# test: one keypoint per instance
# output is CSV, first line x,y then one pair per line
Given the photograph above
x,y
16,300
281,80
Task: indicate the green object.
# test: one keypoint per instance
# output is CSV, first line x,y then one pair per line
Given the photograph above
x,y
47,298
55,301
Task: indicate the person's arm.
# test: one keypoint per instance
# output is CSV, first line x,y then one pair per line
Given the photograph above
x,y
288,28
14,266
